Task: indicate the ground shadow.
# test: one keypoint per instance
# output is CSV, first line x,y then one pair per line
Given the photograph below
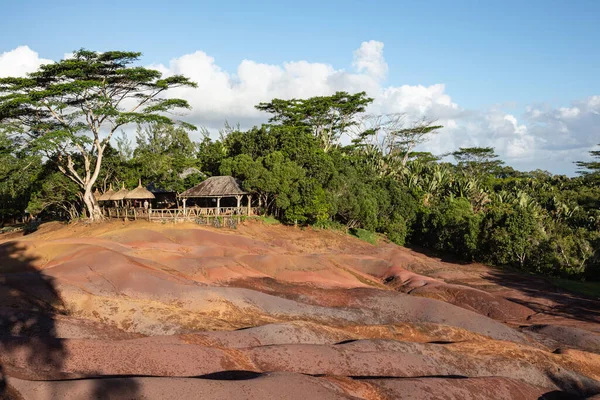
x,y
443,257
543,297
30,346
538,293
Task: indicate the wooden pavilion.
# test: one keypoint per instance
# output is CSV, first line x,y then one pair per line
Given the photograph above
x,y
217,197
219,192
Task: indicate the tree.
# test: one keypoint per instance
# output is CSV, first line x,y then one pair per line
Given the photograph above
x,y
590,167
391,139
478,161
54,193
509,235
18,170
452,227
73,107
408,138
274,179
327,117
164,154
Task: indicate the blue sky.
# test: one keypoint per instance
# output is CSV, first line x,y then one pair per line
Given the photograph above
x,y
504,54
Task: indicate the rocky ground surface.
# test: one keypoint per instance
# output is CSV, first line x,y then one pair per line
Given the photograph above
x,y
162,311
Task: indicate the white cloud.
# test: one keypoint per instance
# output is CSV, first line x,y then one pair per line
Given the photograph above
x,y
224,96
543,137
368,58
20,61
564,128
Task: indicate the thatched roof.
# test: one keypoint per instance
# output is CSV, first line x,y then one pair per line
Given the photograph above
x,y
139,193
120,195
216,186
107,195
97,194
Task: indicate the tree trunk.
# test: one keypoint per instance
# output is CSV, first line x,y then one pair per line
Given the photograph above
x,y
93,209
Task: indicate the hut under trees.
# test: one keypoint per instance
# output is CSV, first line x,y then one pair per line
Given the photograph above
x,y
107,195
120,195
219,192
216,196
139,193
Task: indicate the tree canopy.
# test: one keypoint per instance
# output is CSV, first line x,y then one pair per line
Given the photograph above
x,y
590,167
71,109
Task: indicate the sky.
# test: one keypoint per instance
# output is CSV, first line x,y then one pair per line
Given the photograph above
x,y
521,76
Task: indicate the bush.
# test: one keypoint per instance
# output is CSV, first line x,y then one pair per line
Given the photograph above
x,y
396,231
31,227
364,235
510,235
452,227
269,220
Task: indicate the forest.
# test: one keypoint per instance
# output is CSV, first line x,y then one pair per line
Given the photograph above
x,y
322,161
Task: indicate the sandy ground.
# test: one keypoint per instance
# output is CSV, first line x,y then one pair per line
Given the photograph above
x,y
159,311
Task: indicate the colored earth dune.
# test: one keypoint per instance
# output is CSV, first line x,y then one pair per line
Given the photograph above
x,y
161,311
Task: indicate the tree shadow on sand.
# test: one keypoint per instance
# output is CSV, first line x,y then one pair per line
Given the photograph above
x,y
543,297
30,345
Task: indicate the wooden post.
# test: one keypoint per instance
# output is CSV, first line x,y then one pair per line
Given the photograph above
x,y
238,210
184,213
249,197
218,205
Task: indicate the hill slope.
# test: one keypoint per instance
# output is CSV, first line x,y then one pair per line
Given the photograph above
x,y
144,310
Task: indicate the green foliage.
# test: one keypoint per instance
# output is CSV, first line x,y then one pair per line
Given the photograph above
x,y
396,230
364,235
478,161
55,195
590,167
268,220
326,117
475,210
591,289
452,227
509,235
18,171
166,156
71,109
31,227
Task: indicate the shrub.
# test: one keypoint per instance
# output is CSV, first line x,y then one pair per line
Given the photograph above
x,y
364,235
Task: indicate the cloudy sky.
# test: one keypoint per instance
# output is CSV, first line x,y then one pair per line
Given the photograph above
x,y
519,76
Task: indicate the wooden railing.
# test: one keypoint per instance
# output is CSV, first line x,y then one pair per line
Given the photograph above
x,y
179,214
127,213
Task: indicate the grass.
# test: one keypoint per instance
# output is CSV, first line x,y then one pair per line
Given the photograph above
x,y
586,288
365,235
268,220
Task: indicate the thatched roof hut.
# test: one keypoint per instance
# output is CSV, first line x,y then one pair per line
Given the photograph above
x,y
120,195
216,186
107,195
139,193
97,194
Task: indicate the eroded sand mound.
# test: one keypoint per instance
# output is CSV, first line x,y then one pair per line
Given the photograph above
x,y
178,311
